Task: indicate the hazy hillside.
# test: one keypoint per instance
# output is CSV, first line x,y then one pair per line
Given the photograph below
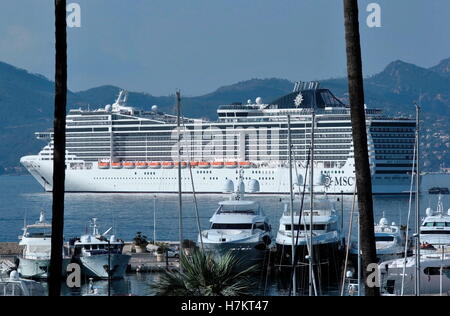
x,y
26,104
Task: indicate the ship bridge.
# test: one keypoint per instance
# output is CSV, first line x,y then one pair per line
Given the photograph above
x,y
304,97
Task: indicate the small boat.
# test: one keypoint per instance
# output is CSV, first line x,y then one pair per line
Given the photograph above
x,y
167,165
238,226
141,165
116,165
103,164
245,164
204,164
217,164
34,261
128,165
194,163
438,190
183,164
15,286
97,255
154,165
231,164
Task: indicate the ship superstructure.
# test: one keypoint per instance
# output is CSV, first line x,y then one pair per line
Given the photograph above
x,y
119,148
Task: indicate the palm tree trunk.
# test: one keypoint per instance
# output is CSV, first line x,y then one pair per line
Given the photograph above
x,y
358,117
59,141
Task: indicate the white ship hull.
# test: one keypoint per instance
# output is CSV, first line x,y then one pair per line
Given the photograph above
x,y
96,266
37,268
272,180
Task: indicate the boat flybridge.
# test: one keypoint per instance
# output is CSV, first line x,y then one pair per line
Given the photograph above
x,y
435,229
326,226
97,254
36,242
238,226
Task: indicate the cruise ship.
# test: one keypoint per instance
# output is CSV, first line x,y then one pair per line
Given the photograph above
x,y
119,148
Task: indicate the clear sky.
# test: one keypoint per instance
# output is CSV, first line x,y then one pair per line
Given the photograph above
x,y
157,46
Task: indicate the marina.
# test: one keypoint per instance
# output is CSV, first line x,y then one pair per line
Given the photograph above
x,y
139,216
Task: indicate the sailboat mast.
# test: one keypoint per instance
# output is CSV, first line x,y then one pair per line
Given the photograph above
x,y
291,207
311,190
418,200
180,198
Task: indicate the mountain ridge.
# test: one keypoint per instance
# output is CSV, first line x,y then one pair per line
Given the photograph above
x,y
26,103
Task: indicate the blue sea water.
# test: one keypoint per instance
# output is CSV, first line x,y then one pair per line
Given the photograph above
x,y
21,198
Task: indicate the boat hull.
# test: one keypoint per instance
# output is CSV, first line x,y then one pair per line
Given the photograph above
x,y
328,258
96,266
165,180
248,253
38,268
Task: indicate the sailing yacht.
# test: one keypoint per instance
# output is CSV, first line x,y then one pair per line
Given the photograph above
x,y
238,226
36,242
97,255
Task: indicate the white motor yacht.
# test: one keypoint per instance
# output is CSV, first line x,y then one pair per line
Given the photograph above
x,y
435,229
97,254
36,242
326,230
390,241
238,226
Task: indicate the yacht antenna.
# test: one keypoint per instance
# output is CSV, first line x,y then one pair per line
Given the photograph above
x,y
291,208
94,227
440,206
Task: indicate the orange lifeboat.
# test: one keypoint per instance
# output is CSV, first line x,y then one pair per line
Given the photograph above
x,y
167,165
154,165
231,164
183,164
217,164
204,164
194,163
245,164
141,165
128,165
103,165
116,165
